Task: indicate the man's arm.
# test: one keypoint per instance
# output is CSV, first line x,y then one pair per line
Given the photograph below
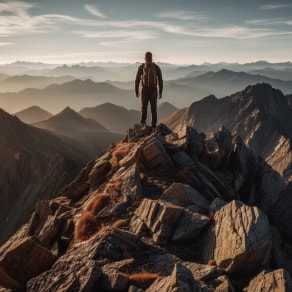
x,y
160,80
137,80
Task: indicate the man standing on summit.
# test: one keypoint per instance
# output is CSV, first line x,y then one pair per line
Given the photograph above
x,y
151,77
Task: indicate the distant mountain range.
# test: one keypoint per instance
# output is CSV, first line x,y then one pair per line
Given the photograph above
x,y
118,119
76,94
181,92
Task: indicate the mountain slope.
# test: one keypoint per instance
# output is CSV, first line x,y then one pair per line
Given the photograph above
x,y
87,134
33,114
35,165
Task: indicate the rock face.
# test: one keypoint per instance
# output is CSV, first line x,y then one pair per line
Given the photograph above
x,y
160,211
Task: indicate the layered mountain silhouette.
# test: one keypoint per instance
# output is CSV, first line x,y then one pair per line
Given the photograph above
x,y
160,211
225,82
21,82
33,114
118,118
259,114
74,93
86,134
115,118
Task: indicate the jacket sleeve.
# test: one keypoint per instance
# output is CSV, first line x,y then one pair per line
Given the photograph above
x,y
160,80
138,78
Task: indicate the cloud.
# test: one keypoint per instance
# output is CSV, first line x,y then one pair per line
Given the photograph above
x,y
118,34
181,15
266,21
6,44
94,11
274,6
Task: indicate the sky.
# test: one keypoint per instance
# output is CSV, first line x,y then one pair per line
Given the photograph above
x,y
175,31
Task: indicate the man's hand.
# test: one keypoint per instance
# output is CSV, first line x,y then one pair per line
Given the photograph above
x,y
160,95
138,95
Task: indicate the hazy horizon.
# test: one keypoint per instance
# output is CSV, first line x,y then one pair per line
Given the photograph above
x,y
184,32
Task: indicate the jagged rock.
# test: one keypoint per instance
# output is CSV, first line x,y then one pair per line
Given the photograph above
x,y
204,272
180,280
240,241
281,252
218,148
271,186
113,245
183,160
160,218
212,186
99,171
189,225
184,195
280,214
81,275
216,205
47,221
21,260
195,141
220,284
247,166
163,263
278,280
131,187
154,156
80,185
113,278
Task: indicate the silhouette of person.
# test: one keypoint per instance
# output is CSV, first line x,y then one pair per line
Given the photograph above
x,y
149,91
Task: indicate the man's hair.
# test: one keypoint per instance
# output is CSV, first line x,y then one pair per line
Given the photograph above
x,y
148,56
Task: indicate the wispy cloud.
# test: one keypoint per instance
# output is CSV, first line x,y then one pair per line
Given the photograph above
x,y
118,34
275,6
266,21
94,11
6,44
181,15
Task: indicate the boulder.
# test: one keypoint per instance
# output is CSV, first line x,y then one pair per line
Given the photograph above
x,y
274,281
240,239
154,156
218,148
184,195
189,225
270,187
280,214
160,217
113,278
181,279
21,260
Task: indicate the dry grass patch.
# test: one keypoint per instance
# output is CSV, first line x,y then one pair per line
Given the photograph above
x,y
143,279
119,153
98,202
86,226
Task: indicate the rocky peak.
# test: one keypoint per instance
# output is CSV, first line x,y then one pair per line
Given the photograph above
x,y
268,100
159,212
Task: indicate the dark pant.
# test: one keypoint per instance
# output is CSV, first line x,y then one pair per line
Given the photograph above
x,y
149,95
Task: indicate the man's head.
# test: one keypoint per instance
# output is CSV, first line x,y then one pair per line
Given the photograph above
x,y
148,57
